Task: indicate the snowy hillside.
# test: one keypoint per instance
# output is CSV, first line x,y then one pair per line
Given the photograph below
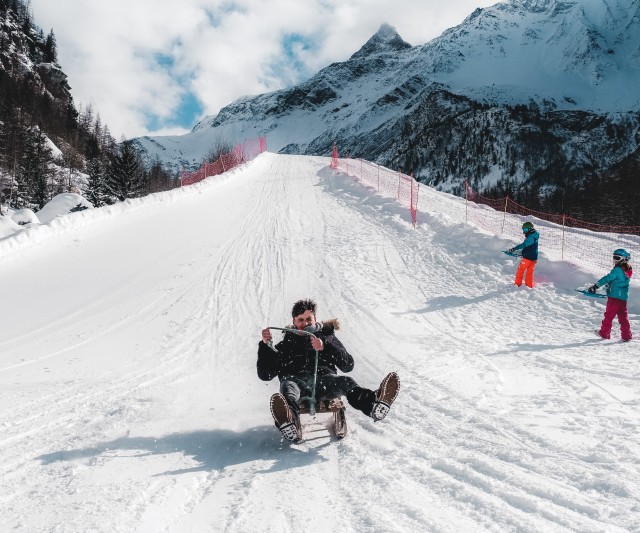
x,y
129,399
577,54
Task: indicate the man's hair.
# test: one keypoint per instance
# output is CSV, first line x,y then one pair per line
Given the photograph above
x,y
303,305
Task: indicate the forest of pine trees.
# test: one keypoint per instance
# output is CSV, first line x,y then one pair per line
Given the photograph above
x,y
527,153
36,108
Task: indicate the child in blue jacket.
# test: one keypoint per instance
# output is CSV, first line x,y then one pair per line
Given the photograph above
x,y
529,249
617,282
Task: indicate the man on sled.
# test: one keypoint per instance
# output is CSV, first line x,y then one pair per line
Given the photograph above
x,y
293,360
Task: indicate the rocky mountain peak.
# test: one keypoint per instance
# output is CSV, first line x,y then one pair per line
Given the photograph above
x,y
536,5
385,40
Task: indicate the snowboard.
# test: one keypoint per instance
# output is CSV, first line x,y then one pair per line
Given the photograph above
x,y
512,254
591,294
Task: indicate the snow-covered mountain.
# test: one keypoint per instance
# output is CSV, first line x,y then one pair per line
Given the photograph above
x,y
525,91
575,54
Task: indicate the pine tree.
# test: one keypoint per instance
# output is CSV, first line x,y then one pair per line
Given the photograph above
x,y
86,118
94,189
158,177
34,172
50,49
107,142
125,178
21,194
97,127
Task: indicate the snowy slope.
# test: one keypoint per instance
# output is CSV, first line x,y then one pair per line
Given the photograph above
x,y
129,399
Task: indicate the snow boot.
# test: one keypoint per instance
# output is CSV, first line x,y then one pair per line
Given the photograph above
x,y
385,395
284,419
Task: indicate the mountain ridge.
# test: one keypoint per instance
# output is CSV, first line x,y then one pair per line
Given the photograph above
x,y
554,67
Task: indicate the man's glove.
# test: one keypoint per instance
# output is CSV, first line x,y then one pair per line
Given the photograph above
x,y
511,250
592,289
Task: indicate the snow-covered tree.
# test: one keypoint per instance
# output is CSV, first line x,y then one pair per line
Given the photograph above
x,y
126,177
34,172
95,189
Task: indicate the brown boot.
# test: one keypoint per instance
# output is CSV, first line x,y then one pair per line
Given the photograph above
x,y
385,395
283,418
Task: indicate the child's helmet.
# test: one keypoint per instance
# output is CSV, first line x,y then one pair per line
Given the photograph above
x,y
621,254
527,226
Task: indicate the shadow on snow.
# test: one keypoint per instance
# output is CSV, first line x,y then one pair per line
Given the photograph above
x,y
213,450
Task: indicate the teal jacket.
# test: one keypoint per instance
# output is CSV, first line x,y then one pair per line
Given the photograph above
x,y
617,282
529,246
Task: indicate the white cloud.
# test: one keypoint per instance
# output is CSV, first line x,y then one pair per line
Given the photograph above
x,y
136,62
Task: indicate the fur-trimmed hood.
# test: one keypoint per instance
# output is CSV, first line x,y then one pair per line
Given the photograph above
x,y
333,324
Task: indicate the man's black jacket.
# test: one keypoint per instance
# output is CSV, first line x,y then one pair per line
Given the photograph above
x,y
295,357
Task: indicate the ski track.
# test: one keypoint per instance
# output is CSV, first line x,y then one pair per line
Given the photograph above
x,y
511,416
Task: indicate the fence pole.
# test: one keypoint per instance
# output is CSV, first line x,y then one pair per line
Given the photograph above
x,y
399,177
222,161
411,204
415,216
504,216
562,243
378,178
466,200
413,208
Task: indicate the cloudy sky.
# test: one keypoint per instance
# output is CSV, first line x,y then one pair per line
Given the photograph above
x,y
158,66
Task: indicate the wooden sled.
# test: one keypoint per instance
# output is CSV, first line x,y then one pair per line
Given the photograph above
x,y
335,406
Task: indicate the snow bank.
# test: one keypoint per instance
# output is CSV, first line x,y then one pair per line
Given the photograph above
x,y
8,226
61,205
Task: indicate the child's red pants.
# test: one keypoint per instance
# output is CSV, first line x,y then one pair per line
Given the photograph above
x,y
616,307
525,265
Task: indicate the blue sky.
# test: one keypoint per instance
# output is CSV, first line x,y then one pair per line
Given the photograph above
x,y
156,67
189,108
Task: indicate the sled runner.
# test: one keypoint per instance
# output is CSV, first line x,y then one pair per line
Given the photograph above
x,y
591,294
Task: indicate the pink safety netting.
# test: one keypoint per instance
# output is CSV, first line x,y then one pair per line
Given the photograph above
x,y
240,154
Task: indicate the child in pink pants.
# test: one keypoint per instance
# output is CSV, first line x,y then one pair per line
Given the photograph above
x,y
617,282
